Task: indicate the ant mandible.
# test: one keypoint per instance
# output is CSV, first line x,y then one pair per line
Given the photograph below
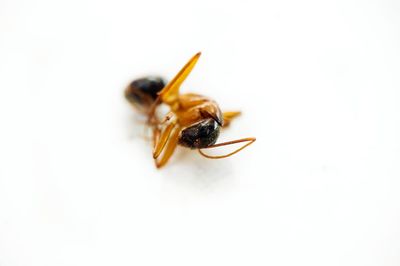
x,y
193,121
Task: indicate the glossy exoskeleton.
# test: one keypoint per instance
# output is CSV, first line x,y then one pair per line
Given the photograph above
x,y
194,121
143,92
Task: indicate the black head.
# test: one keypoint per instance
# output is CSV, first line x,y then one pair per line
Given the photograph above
x,y
143,92
200,135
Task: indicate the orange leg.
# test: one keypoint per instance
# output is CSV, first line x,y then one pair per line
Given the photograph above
x,y
229,116
156,134
169,94
169,148
162,138
151,116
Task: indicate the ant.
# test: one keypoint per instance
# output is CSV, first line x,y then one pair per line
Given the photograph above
x,y
193,121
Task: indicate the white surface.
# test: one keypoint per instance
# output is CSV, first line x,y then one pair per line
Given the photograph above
x,y
319,86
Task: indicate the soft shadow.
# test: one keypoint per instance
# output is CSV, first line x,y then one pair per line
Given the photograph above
x,y
189,169
136,127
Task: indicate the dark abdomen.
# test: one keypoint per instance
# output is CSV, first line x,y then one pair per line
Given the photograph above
x,y
143,92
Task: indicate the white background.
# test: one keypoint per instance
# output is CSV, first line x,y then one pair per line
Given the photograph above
x,y
317,81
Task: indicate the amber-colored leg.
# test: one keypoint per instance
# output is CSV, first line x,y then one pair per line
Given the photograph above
x,y
229,116
151,117
156,135
162,139
248,140
169,148
169,94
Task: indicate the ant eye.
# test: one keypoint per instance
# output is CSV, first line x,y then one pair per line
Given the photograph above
x,y
200,135
143,92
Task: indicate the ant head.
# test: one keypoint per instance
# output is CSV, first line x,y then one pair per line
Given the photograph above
x,y
200,135
143,92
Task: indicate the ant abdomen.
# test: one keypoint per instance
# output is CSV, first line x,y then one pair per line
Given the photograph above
x,y
143,92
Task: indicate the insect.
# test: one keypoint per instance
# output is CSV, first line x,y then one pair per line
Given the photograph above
x,y
193,121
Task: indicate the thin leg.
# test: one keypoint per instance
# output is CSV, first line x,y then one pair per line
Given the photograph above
x,y
169,149
169,94
248,140
162,139
156,134
151,116
229,116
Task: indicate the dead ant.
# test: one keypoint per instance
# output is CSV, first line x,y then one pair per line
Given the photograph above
x,y
193,120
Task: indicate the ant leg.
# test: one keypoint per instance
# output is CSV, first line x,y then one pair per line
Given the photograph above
x,y
152,119
156,127
162,132
248,140
156,134
229,116
169,94
162,140
169,149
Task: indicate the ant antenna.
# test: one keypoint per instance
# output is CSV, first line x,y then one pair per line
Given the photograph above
x,y
248,140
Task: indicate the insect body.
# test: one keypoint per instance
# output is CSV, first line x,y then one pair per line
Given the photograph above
x,y
142,93
193,121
